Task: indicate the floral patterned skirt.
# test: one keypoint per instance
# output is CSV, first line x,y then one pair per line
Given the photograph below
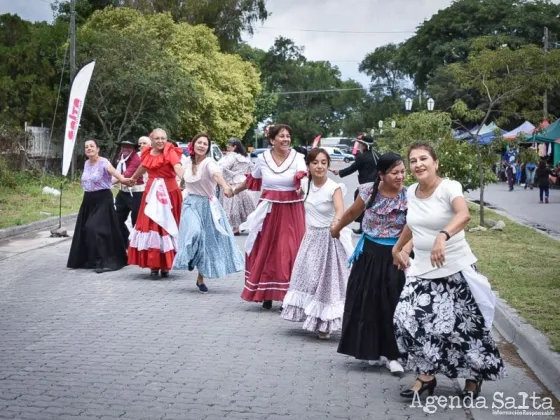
x,y
440,329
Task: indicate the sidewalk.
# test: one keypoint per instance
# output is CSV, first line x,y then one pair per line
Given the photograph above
x,y
523,206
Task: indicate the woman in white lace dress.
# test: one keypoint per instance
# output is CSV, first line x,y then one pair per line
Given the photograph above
x,y
235,167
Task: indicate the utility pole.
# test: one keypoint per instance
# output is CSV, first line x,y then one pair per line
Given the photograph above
x,y
73,66
545,98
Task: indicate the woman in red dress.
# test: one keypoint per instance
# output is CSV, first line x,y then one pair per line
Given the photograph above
x,y
277,226
151,245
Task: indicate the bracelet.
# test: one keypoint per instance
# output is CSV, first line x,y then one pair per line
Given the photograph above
x,y
446,233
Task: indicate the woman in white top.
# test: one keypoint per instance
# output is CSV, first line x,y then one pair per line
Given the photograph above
x,y
443,320
318,281
236,165
206,241
277,226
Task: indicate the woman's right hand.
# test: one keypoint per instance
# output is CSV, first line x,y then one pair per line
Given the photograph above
x,y
401,259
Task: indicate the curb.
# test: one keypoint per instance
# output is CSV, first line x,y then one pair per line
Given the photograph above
x,y
32,227
532,345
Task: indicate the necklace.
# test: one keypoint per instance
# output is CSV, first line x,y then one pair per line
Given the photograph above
x,y
275,158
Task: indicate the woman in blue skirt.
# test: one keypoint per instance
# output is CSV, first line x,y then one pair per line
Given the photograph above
x,y
206,240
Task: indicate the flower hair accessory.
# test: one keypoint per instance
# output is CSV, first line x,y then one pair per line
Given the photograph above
x,y
190,149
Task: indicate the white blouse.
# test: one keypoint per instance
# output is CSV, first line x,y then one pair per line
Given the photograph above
x,y
278,178
319,204
203,183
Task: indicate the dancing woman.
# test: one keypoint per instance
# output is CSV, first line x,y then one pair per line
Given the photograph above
x,y
236,165
277,226
444,317
97,241
318,281
153,241
206,240
375,283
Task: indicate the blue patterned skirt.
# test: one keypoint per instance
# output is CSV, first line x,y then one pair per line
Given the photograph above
x,y
201,245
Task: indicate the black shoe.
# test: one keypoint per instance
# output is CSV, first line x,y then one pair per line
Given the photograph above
x,y
469,392
358,231
267,304
154,274
98,270
202,288
164,274
426,386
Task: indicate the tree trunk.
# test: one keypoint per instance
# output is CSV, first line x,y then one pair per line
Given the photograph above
x,y
480,183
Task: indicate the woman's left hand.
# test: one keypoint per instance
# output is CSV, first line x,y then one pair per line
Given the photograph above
x,y
299,192
228,192
437,256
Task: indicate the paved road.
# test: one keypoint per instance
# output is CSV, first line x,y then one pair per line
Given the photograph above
x,y
78,345
523,205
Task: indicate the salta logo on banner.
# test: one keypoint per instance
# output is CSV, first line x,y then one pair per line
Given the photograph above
x,y
73,118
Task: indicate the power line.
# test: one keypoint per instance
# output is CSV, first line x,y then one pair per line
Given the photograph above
x,y
337,32
315,91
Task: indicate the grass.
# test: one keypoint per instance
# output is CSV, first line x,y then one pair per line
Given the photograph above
x,y
22,200
524,267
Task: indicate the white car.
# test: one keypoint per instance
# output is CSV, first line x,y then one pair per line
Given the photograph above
x,y
214,150
336,154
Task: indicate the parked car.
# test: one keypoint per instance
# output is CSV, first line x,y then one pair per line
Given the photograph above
x,y
255,153
215,151
337,155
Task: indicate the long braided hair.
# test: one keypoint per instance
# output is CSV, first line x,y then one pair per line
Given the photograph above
x,y
311,156
386,162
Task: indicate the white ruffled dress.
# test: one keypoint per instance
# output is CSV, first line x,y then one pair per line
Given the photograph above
x,y
320,274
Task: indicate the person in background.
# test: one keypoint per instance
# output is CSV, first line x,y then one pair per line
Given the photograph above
x,y
543,181
143,142
510,173
443,321
98,243
366,165
128,199
236,165
530,168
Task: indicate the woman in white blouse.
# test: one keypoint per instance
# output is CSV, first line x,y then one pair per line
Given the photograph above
x,y
206,240
277,226
443,320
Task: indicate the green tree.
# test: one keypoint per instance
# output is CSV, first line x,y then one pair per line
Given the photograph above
x,y
224,86
130,92
507,80
385,69
228,18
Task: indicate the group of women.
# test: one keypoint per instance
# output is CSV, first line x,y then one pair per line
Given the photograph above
x,y
436,318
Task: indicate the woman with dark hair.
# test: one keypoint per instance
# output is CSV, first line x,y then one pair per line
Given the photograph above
x,y
97,241
277,226
444,317
375,283
236,165
153,241
542,176
206,241
318,281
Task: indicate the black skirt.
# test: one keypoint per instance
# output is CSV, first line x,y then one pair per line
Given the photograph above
x,y
373,291
97,241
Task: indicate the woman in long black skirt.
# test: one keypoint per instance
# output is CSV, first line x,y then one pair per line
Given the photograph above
x,y
97,242
375,283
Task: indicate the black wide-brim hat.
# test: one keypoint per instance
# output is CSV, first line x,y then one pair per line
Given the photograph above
x,y
127,143
366,140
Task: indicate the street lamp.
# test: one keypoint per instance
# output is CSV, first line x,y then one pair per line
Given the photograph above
x,y
408,104
431,104
393,124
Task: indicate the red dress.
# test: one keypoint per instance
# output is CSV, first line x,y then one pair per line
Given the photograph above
x,y
150,244
276,227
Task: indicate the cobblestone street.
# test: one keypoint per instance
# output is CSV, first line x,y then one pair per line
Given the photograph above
x,y
75,344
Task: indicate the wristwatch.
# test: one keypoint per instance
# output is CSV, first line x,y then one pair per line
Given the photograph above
x,y
446,233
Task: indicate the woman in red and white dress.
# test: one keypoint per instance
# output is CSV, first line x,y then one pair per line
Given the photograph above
x,y
277,226
151,244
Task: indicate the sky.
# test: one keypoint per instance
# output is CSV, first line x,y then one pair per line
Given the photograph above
x,y
396,20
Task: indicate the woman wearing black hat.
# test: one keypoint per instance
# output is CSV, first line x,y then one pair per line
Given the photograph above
x,y
375,283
